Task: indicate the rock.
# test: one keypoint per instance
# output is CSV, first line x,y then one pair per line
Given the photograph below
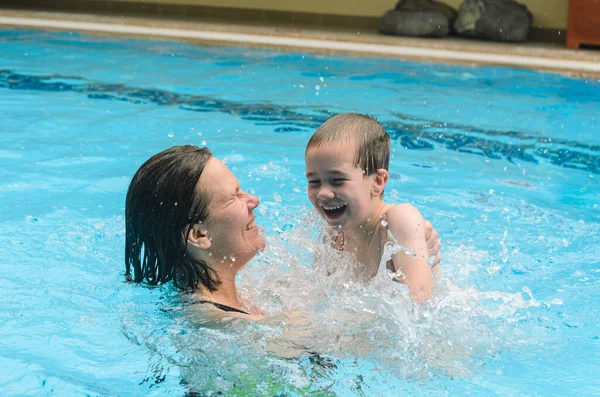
x,y
421,18
414,23
427,6
499,20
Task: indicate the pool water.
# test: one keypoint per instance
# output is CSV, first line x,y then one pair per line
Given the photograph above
x,y
505,163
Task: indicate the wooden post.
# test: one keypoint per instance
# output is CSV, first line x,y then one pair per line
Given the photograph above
x,y
584,23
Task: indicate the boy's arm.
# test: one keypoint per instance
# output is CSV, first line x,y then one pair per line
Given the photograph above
x,y
407,226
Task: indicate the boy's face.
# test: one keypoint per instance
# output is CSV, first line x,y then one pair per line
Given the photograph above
x,y
337,188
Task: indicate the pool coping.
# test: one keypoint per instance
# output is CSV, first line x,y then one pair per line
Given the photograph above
x,y
454,51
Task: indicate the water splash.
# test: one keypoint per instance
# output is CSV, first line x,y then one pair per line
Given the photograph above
x,y
335,311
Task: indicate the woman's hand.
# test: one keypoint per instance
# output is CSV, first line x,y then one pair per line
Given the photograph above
x,y
433,243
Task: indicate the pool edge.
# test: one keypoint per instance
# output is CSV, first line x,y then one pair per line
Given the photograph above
x,y
573,63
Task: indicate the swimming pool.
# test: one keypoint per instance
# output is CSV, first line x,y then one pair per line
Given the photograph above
x,y
505,163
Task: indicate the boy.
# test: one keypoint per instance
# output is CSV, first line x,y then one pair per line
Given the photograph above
x,y
347,161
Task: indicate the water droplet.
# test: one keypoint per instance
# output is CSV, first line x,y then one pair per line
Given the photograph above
x,y
203,143
175,204
565,242
384,223
170,135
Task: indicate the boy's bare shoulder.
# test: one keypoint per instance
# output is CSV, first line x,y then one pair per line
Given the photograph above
x,y
404,219
402,210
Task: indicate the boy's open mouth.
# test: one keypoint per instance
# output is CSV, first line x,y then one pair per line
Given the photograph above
x,y
334,211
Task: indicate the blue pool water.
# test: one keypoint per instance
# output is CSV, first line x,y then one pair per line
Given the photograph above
x,y
505,163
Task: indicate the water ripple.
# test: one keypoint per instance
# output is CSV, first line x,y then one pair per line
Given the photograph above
x,y
412,133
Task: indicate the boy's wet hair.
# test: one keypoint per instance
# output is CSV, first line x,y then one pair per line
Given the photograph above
x,y
371,141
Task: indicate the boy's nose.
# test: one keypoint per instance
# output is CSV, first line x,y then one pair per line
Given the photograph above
x,y
325,193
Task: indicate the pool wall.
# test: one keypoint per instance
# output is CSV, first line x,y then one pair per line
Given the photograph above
x,y
549,16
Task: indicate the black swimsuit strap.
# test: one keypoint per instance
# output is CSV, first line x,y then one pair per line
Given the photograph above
x,y
225,308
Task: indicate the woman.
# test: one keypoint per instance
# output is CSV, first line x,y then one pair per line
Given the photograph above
x,y
189,221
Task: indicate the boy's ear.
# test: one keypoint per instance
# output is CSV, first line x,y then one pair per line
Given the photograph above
x,y
198,237
379,182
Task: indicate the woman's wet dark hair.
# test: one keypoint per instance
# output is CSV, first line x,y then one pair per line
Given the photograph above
x,y
162,205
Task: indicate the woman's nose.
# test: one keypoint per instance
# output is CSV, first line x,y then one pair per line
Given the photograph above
x,y
253,202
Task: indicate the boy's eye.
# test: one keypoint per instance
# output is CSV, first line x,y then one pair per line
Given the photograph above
x,y
338,181
314,183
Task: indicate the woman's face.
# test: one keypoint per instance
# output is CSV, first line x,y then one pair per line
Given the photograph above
x,y
230,226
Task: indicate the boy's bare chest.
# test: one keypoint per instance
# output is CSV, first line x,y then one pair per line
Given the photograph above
x,y
367,249
368,254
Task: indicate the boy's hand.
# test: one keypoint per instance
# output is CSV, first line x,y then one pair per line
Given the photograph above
x,y
433,243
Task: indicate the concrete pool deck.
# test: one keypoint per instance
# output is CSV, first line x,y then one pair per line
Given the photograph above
x,y
534,56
